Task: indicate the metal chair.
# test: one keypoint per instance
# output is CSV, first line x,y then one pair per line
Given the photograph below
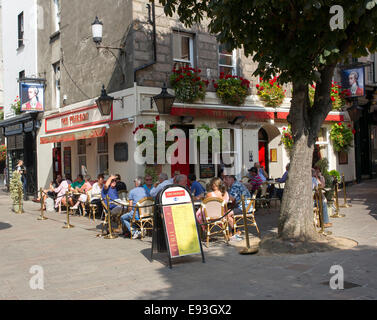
x,y
250,219
212,209
145,221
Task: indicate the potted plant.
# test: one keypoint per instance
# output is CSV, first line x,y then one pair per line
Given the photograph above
x,y
341,136
16,106
231,90
16,191
188,85
270,92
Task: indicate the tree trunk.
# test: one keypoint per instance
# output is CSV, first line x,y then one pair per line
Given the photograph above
x,y
296,219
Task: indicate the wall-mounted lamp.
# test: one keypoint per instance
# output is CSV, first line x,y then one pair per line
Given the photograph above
x,y
164,101
237,120
105,102
97,29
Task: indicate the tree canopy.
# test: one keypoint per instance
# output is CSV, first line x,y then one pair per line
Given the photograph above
x,y
292,38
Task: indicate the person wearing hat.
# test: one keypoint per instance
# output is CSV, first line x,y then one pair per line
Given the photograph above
x,y
255,180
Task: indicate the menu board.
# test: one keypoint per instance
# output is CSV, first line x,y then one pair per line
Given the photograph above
x,y
181,230
207,171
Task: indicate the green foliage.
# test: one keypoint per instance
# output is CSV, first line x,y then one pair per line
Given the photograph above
x,y
151,171
335,174
188,85
16,106
232,90
3,152
341,136
15,187
337,95
1,115
287,139
270,92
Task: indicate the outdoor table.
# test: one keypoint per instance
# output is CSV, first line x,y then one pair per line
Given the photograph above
x,y
123,204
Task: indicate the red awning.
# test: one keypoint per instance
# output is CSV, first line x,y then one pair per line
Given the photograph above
x,y
84,133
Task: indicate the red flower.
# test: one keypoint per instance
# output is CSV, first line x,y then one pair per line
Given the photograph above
x,y
157,118
199,70
215,85
332,99
339,123
257,86
353,131
349,126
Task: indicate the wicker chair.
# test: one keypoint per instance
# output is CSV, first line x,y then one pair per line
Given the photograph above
x,y
145,221
250,219
213,209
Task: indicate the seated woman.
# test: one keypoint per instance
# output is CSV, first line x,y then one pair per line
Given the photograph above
x,y
50,191
83,190
218,190
61,190
95,193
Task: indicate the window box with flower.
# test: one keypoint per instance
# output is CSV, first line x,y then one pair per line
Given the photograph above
x,y
231,90
188,85
270,92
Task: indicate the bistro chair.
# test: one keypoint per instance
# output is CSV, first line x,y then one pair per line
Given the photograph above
x,y
250,219
263,201
93,208
212,209
316,218
145,221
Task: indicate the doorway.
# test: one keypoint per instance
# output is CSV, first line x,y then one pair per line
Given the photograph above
x,y
263,149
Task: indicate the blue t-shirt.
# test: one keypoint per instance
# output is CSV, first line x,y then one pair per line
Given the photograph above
x,y
197,188
136,195
113,195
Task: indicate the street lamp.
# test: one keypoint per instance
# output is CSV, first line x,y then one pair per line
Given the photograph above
x,y
164,101
104,102
97,27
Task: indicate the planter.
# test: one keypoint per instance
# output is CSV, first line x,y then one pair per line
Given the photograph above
x,y
17,208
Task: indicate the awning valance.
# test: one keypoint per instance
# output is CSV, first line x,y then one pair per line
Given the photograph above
x,y
77,134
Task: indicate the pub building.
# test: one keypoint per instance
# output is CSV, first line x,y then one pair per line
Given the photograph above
x,y
79,139
21,132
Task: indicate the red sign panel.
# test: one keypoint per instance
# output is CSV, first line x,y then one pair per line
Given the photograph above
x,y
170,230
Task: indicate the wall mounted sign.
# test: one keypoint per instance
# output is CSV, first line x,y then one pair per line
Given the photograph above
x,y
74,119
273,155
32,96
353,80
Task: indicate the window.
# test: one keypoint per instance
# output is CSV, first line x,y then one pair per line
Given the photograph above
x,y
183,49
81,152
21,29
321,146
227,61
56,68
103,156
56,15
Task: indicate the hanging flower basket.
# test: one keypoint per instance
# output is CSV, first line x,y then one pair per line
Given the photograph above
x,y
188,85
270,92
341,136
287,140
231,90
336,95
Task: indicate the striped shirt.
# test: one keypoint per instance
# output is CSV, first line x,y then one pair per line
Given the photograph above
x,y
255,182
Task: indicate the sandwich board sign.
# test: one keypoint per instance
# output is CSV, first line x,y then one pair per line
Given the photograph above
x,y
179,223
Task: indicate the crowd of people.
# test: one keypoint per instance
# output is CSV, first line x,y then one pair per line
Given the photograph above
x,y
225,187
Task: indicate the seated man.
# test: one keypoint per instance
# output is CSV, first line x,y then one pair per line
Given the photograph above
x,y
83,190
120,184
95,193
75,187
262,173
136,194
235,190
255,180
196,188
163,181
109,189
148,185
283,179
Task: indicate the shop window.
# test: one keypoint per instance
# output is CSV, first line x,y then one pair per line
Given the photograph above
x,y
56,88
56,15
103,156
183,49
227,61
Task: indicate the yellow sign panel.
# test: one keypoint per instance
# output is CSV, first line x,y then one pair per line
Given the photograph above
x,y
185,229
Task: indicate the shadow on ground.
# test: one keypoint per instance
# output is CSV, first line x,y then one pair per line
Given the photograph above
x,y
4,225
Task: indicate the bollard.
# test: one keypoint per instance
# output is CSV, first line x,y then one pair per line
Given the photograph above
x,y
320,207
246,250
337,214
110,235
345,204
67,225
42,217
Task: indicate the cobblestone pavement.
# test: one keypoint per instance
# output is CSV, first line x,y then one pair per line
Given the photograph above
x,y
78,265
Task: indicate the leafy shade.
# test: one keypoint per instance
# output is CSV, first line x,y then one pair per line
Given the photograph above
x,y
290,38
